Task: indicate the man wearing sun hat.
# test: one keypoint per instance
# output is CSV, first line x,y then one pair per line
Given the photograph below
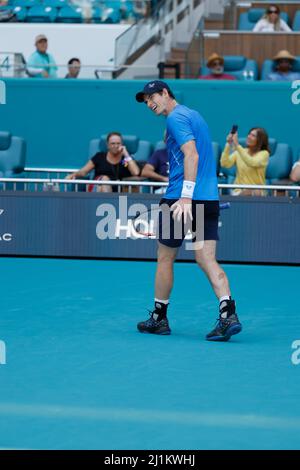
x,y
215,63
41,64
283,65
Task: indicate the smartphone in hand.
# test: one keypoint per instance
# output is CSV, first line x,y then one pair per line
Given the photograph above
x,y
234,129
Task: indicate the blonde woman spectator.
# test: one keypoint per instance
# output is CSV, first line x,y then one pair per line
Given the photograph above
x,y
271,22
251,162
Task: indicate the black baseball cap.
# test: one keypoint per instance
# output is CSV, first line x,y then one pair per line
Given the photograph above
x,y
151,87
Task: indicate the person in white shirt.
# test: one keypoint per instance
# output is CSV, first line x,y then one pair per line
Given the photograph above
x,y
271,22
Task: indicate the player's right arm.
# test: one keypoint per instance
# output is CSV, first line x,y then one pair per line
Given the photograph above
x,y
82,172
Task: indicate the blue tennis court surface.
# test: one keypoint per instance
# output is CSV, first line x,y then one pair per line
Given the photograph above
x,y
78,375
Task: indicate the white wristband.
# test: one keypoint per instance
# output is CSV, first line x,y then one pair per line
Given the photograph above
x,y
128,159
188,189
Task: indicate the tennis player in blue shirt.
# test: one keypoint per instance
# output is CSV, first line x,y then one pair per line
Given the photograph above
x,y
192,182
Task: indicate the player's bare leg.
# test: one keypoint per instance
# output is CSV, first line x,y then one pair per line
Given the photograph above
x,y
158,322
206,259
164,272
228,323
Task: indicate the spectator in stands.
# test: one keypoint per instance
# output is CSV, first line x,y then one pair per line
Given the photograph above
x,y
115,164
74,65
283,68
215,63
157,168
141,8
295,173
271,22
251,162
41,64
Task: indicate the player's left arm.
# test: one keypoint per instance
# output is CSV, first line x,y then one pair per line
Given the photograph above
x,y
183,207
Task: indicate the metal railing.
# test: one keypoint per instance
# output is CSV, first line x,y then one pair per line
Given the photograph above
x,y
58,172
58,184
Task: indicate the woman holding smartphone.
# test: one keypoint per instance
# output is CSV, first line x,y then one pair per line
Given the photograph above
x,y
251,162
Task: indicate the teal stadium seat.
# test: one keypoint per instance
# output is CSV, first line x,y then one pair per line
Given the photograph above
x,y
143,152
12,155
248,20
111,12
160,145
20,12
55,3
296,22
97,14
41,14
127,10
280,162
236,66
268,67
70,14
26,3
21,8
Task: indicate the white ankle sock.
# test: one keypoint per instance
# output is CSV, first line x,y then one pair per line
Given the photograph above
x,y
162,301
224,297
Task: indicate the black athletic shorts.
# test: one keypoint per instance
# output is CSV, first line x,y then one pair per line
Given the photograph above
x,y
172,233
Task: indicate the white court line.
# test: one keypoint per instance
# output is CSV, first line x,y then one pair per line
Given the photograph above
x,y
13,448
150,416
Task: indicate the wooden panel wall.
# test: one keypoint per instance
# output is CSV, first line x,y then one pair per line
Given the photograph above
x,y
257,46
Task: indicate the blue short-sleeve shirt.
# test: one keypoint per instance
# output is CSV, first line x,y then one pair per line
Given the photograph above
x,y
185,124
